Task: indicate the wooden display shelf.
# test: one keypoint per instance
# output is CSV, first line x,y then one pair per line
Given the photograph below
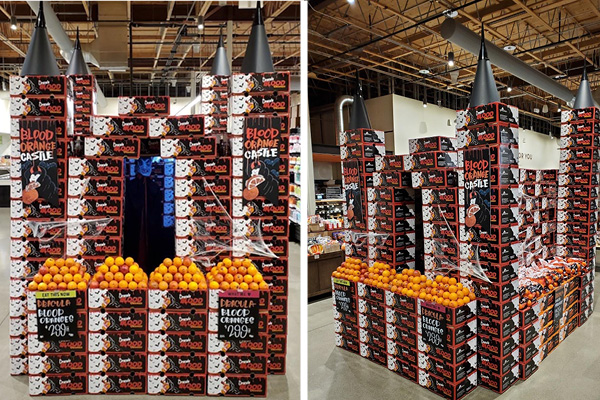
x,y
320,268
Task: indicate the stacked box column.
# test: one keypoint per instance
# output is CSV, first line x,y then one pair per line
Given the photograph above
x,y
494,128
259,104
37,103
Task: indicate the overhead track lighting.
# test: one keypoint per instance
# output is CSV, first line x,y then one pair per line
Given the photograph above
x,y
13,23
451,59
509,89
351,1
200,22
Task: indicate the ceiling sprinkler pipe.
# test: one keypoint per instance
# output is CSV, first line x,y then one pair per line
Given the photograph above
x,y
456,33
340,102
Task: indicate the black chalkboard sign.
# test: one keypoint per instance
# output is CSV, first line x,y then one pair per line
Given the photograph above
x,y
56,315
477,189
433,325
559,297
344,302
238,315
262,138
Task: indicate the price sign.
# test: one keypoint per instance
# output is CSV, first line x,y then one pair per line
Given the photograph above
x,y
344,302
559,297
238,315
56,315
433,325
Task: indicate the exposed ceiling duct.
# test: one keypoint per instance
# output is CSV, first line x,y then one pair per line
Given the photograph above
x,y
456,33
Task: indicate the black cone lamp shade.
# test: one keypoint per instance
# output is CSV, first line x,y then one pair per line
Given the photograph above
x,y
77,65
484,88
220,64
584,97
258,54
359,119
40,59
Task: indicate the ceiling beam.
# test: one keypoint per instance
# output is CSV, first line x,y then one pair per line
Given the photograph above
x,y
162,32
86,7
552,30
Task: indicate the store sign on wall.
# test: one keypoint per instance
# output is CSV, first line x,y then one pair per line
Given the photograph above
x,y
56,315
39,172
344,301
433,325
477,189
238,315
262,139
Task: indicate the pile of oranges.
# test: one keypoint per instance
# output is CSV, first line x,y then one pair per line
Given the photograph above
x,y
119,273
442,290
60,274
236,274
351,269
177,273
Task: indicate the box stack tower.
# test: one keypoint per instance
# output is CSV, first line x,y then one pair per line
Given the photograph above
x,y
241,363
488,155
577,215
58,367
202,189
433,163
358,150
82,94
117,341
177,353
259,126
395,240
38,125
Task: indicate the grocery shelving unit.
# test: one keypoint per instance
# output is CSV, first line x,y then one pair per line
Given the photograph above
x,y
295,210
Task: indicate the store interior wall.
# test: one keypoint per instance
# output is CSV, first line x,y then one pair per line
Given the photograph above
x,y
408,119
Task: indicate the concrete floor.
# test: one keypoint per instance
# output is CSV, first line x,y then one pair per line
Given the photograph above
x,y
280,387
571,371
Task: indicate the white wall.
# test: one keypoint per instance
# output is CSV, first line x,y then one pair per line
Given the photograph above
x,y
406,118
111,107
537,151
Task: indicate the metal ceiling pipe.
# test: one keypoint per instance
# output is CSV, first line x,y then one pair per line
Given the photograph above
x,y
340,102
470,41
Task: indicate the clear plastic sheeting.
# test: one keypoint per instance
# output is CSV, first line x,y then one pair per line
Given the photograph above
x,y
46,231
217,235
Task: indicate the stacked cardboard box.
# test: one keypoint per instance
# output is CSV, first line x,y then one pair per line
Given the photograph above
x,y
577,216
487,137
37,127
117,341
394,330
537,207
358,150
240,367
177,353
578,183
393,222
259,131
58,367
433,161
201,190
82,96
214,104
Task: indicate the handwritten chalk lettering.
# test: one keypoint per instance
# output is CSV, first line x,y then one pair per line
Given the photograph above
x,y
56,315
238,317
433,327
